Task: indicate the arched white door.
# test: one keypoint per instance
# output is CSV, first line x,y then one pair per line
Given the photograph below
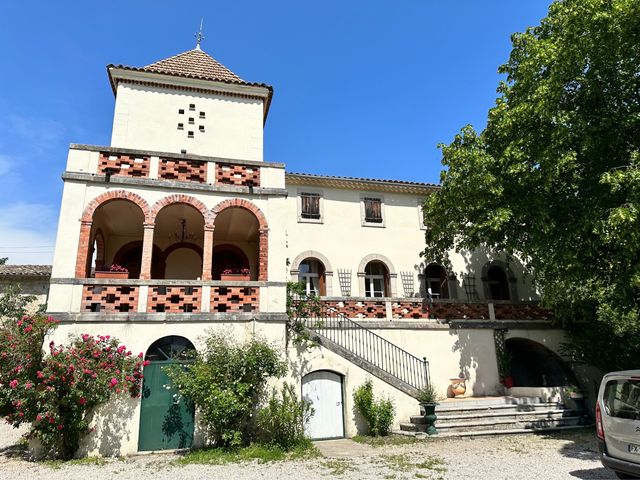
x,y
324,390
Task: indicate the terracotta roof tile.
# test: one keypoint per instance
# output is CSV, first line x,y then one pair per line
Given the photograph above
x,y
25,271
194,63
312,176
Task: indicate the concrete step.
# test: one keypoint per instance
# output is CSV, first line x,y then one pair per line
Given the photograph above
x,y
497,424
477,433
443,409
499,415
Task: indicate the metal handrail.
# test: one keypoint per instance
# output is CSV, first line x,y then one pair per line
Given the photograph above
x,y
365,344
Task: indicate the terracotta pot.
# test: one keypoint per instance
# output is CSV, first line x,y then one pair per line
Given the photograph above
x,y
458,386
234,277
112,275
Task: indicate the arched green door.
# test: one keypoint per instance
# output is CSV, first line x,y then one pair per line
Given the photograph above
x,y
166,418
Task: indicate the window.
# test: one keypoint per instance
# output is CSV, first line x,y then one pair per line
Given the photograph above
x,y
202,115
621,398
372,210
189,134
201,128
498,284
310,207
191,120
181,126
376,279
311,274
192,107
181,111
436,281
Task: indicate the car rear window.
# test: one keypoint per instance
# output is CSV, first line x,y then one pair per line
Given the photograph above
x,y
622,399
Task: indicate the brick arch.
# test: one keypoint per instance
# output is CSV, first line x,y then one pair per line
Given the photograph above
x,y
263,242
239,203
84,245
181,198
111,195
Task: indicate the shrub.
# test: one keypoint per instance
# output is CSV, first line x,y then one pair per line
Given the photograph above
x,y
378,414
227,382
55,391
282,420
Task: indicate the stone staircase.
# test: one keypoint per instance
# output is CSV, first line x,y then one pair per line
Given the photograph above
x,y
498,415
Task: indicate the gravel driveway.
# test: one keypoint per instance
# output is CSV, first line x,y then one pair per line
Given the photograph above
x,y
556,456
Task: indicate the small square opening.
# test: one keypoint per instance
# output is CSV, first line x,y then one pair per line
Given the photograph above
x,y
192,107
190,134
181,111
201,128
181,126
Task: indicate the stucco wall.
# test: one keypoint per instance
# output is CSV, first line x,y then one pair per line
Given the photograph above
x,y
146,118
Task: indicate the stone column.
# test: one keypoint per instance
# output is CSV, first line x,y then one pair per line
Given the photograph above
x,y
207,252
83,249
147,251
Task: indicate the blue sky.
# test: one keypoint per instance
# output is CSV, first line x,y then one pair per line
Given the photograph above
x,y
362,88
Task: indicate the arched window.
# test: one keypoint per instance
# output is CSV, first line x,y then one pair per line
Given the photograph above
x,y
436,281
376,279
498,284
311,274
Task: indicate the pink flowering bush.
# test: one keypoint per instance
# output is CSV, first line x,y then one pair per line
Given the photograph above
x,y
57,389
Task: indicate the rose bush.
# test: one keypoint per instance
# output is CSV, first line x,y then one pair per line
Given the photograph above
x,y
56,390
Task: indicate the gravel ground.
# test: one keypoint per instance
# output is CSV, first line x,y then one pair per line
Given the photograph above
x,y
556,456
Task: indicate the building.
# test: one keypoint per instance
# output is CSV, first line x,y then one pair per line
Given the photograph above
x,y
210,234
33,281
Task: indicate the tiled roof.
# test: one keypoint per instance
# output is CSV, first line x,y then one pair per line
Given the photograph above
x,y
25,271
192,64
195,63
374,181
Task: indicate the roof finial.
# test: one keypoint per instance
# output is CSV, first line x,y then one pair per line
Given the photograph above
x,y
199,36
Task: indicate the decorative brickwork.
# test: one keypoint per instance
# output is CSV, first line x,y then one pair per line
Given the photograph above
x,y
459,311
123,165
358,309
522,311
242,175
415,310
235,299
109,298
263,255
91,207
180,198
182,170
173,299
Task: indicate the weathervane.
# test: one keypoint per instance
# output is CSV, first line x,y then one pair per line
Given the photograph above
x,y
199,36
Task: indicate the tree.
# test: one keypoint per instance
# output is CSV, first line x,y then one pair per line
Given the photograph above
x,y
555,175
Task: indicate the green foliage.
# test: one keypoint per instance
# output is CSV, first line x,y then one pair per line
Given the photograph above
x,y
13,304
282,420
378,414
227,382
301,307
555,176
428,394
254,452
55,391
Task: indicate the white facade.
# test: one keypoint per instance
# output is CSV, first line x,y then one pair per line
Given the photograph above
x,y
176,208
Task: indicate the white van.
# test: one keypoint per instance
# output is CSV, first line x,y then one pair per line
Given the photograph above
x,y
618,422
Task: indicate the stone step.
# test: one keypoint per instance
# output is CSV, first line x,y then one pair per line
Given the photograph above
x,y
469,402
513,415
477,433
497,424
508,407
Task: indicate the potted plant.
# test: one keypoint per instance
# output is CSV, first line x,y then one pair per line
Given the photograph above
x,y
504,365
115,271
428,399
235,274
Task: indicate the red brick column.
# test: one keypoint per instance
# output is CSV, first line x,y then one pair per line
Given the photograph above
x,y
83,249
147,251
263,255
207,252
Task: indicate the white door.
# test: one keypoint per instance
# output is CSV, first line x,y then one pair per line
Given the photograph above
x,y
324,390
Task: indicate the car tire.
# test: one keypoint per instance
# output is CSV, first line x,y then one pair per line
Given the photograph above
x,y
625,475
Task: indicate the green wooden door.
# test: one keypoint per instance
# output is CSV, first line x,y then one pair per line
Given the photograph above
x,y
166,418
